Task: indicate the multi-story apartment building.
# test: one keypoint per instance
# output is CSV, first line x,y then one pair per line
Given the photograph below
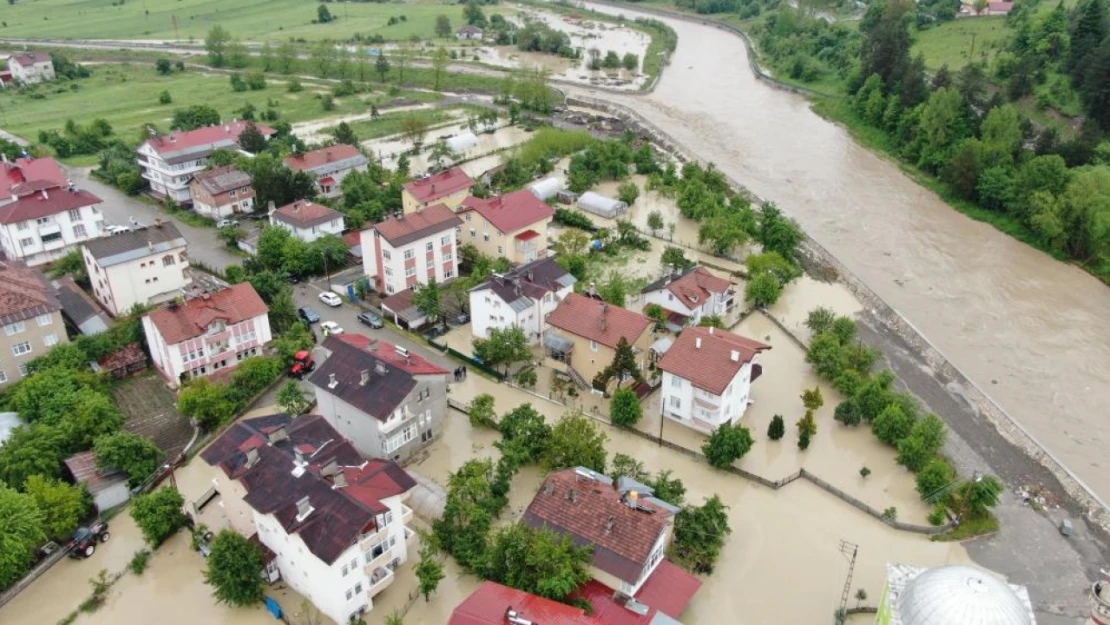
x,y
208,333
448,187
707,377
222,192
521,297
307,220
388,401
691,294
43,218
512,226
336,522
169,162
329,166
31,315
29,68
144,266
405,250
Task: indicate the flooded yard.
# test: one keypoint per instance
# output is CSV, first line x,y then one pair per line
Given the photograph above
x,y
389,149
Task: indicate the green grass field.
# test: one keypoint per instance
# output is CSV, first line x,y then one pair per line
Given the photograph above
x,y
126,95
253,20
390,123
950,42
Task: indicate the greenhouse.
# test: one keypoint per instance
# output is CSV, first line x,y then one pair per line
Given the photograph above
x,y
547,188
600,205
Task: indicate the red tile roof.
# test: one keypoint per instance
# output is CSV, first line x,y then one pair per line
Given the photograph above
x,y
490,603
46,202
414,363
86,469
668,590
439,185
178,140
693,287
15,178
340,513
24,293
512,211
311,160
30,58
598,321
418,225
236,303
711,366
1004,7
581,508
305,214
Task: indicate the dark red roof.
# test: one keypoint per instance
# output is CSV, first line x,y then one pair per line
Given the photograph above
x,y
30,58
85,469
598,321
512,211
125,357
46,202
24,293
236,303
490,603
391,373
668,590
340,514
27,175
305,214
693,287
311,160
183,140
527,235
418,225
711,366
439,185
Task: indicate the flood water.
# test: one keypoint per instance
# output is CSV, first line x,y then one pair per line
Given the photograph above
x,y
389,149
1029,330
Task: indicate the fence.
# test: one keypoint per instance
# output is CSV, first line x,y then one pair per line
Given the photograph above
x,y
450,351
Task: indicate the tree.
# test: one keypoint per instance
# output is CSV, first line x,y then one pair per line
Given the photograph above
x,y
62,505
628,192
777,428
159,514
463,529
413,129
627,466
37,449
670,490
763,290
820,319
344,134
286,57
923,442
676,258
237,54
473,14
624,409
807,429
624,365
699,535
292,400
234,569
525,434
439,64
537,561
251,139
886,45
655,223
22,530
443,26
482,412
429,570
505,346
848,412
381,66
206,401
193,117
441,155
575,442
428,300
163,66
977,496
812,399
892,424
778,233
631,62
135,455
323,56
933,478
323,15
727,444
216,45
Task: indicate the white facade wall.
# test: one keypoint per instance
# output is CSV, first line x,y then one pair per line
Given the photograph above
x,y
681,400
396,273
25,240
488,311
33,73
119,287
233,207
411,425
169,180
328,586
308,235
715,305
210,353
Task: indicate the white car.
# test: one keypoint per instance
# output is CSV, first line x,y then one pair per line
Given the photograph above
x,y
110,230
331,299
330,327
227,223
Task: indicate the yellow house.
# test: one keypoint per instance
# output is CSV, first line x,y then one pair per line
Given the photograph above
x,y
584,332
449,187
512,226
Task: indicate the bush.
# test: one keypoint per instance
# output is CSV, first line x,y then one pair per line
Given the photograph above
x,y
625,409
807,429
933,478
159,514
890,514
139,561
165,97
777,428
727,444
939,516
482,412
864,472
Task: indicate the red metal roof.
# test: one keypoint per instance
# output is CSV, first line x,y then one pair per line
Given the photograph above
x,y
709,367
489,605
179,140
30,58
418,225
669,589
527,235
306,214
512,211
327,181
414,363
236,303
46,202
598,321
311,160
15,176
439,185
693,287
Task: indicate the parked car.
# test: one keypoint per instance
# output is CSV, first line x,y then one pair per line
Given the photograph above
x,y
461,319
373,320
308,315
436,332
116,229
83,542
331,327
331,299
227,223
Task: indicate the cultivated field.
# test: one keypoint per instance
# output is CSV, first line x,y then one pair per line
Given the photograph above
x,y
950,42
255,20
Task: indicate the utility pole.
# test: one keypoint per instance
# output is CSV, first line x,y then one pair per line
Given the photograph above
x,y
850,550
176,34
971,53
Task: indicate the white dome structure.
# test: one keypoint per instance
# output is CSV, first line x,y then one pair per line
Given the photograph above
x,y
960,594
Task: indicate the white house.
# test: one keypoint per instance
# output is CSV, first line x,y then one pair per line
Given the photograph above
x,y
522,297
336,522
307,220
169,162
208,333
144,266
29,68
388,401
690,295
42,219
468,32
707,377
329,166
405,250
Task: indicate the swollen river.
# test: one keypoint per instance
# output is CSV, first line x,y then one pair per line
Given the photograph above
x,y
1032,332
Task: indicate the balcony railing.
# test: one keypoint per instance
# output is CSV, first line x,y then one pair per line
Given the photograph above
x,y
369,541
381,584
379,562
406,514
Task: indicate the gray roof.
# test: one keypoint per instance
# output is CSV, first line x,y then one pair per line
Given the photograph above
x,y
79,308
522,285
223,179
139,243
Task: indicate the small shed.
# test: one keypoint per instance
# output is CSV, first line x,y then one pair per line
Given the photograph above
x,y
108,487
124,362
566,197
462,142
600,205
547,188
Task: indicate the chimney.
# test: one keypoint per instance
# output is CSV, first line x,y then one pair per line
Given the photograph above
x,y
734,356
697,343
711,329
332,382
278,435
380,369
549,488
150,245
45,195
331,468
364,377
252,457
340,481
609,524
298,457
304,508
571,495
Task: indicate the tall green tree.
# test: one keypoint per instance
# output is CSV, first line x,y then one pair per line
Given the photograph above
x,y
234,570
429,570
291,399
539,562
699,535
63,505
440,61
575,441
443,26
381,66
886,46
159,514
525,431
727,444
216,45
625,409
22,530
133,454
343,133
504,346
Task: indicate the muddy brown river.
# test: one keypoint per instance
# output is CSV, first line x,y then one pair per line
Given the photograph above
x,y
1032,332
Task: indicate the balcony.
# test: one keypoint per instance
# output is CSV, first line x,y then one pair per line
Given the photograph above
x,y
379,562
708,402
49,228
371,540
406,514
379,581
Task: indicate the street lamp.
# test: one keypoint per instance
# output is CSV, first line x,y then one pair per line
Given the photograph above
x,y
327,273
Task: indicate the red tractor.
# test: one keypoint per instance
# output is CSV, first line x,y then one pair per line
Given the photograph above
x,y
303,364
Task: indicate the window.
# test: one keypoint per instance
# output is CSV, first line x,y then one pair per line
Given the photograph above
x,y
50,340
593,346
446,240
42,221
385,255
473,233
23,369
344,572
447,273
430,262
14,328
485,236
167,260
410,271
22,225
676,403
3,377
20,349
410,253
388,271
468,218
448,256
676,381
74,214
79,232
358,588
500,250
349,593
429,247
53,236
44,320
28,242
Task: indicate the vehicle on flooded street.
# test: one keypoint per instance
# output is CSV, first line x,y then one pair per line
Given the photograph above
x,y
84,540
